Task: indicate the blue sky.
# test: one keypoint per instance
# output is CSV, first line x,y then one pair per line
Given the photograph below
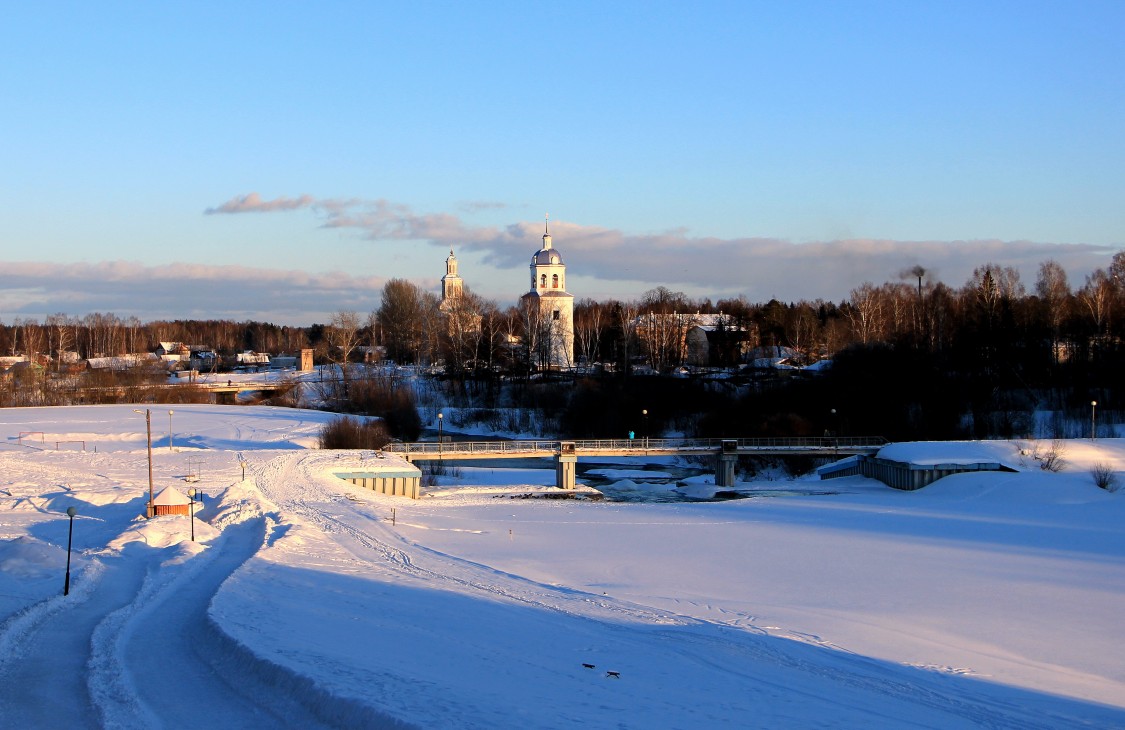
x,y
788,150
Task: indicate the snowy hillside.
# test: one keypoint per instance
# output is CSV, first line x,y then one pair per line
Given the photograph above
x,y
990,599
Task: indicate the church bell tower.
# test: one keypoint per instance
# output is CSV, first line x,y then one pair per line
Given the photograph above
x,y
451,284
551,306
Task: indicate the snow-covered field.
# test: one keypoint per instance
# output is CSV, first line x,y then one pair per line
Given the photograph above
x,y
990,599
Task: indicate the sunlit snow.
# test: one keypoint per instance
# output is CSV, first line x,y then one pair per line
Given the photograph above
x,y
986,599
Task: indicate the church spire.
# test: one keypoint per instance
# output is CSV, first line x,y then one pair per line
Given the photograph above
x,y
546,231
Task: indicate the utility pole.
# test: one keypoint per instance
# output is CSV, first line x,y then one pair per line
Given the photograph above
x,y
151,510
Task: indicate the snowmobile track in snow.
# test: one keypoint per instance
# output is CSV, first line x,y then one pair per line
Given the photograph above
x,y
439,568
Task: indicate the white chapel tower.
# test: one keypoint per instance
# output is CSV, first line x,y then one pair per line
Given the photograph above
x,y
451,284
550,308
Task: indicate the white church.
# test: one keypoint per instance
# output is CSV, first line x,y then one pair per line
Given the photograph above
x,y
548,308
452,286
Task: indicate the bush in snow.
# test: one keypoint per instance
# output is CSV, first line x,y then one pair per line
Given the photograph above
x,y
383,397
1049,458
431,470
347,432
1104,476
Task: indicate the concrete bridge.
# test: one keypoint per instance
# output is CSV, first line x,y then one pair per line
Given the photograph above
x,y
566,453
227,393
222,393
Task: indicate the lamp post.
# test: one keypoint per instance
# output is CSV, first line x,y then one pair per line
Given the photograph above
x,y
150,510
1093,419
70,512
191,515
439,432
644,424
835,428
170,412
243,465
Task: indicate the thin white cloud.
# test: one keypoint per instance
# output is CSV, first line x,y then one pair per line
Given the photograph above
x,y
253,203
760,268
182,291
475,206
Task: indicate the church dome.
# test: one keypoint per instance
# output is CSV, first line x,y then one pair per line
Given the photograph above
x,y
546,257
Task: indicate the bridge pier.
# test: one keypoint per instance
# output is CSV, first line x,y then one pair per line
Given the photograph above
x,y
725,463
566,466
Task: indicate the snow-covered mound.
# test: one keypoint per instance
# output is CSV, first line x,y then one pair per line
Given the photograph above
x,y
26,557
929,453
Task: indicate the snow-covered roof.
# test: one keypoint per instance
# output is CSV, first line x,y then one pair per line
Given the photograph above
x,y
714,322
775,363
122,362
171,496
961,453
710,322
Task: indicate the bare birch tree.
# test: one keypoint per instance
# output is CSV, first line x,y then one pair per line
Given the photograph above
x,y
866,312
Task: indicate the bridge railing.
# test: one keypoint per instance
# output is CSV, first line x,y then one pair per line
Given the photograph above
x,y
520,446
679,445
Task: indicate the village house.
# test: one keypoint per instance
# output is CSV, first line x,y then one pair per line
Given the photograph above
x,y
253,359
194,357
124,362
698,340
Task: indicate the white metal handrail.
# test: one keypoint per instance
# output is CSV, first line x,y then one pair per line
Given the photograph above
x,y
516,447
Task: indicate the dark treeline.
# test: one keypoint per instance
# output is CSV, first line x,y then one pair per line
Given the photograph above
x,y
107,335
913,357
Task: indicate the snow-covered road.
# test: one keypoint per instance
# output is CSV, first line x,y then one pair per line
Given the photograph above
x,y
165,656
135,648
43,673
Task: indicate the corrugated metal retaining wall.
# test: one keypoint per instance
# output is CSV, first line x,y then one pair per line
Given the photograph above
x,y
900,474
393,484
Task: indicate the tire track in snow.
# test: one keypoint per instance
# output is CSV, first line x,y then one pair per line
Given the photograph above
x,y
446,570
43,685
870,685
152,664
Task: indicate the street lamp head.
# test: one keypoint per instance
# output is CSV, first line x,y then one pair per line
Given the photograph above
x,y
191,492
644,412
70,511
170,411
1093,402
832,411
439,416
